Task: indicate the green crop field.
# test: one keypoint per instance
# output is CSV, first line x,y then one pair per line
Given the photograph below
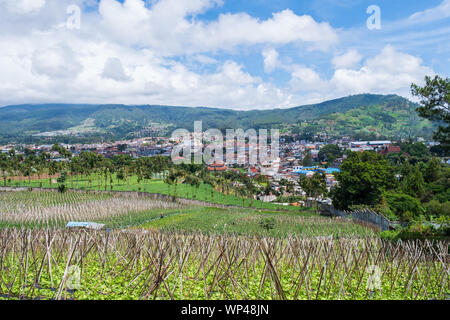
x,y
254,222
202,252
148,265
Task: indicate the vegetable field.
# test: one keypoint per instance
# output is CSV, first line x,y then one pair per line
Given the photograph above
x,y
258,222
53,209
37,264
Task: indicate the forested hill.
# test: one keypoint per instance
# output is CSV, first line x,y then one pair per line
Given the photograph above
x,y
378,115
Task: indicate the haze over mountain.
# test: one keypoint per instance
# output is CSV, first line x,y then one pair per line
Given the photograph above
x,y
376,115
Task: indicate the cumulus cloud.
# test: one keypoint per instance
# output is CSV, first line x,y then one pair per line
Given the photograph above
x,y
306,79
134,53
113,69
388,72
166,26
56,62
24,6
270,60
348,60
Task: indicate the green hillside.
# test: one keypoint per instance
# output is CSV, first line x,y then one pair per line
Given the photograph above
x,y
379,115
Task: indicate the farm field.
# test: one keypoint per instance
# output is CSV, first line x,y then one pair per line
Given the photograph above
x,y
256,222
203,193
54,209
197,252
63,264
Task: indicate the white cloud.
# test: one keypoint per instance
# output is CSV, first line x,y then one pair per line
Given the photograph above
x,y
166,27
306,79
113,69
442,11
203,59
390,71
24,6
270,60
135,54
56,62
349,60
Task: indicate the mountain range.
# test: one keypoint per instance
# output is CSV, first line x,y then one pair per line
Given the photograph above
x,y
359,116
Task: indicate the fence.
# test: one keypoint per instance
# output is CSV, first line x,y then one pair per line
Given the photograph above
x,y
366,215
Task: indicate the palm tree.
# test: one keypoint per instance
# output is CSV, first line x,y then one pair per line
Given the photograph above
x,y
53,169
173,179
5,166
194,181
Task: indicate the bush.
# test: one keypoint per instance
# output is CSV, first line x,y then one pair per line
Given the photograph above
x,y
62,178
62,188
390,234
437,209
267,223
405,207
417,231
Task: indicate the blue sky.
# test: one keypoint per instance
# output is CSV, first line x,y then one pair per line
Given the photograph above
x,y
253,54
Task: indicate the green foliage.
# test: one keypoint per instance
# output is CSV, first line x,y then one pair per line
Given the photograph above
x,y
62,188
417,231
435,106
62,177
329,153
414,184
307,160
388,115
403,206
435,208
315,186
362,180
433,171
267,223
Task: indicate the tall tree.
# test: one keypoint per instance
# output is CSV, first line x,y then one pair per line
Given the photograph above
x,y
329,153
315,187
307,160
363,178
414,184
5,167
435,106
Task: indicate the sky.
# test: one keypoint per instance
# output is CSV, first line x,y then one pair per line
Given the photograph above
x,y
253,54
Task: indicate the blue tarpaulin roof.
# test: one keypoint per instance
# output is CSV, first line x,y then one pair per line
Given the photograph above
x,y
87,225
305,170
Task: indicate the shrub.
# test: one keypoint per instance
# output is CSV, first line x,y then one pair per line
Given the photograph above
x,y
62,188
437,209
417,231
405,207
62,178
267,223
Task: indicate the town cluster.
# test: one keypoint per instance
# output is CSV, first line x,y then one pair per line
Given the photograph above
x,y
288,166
